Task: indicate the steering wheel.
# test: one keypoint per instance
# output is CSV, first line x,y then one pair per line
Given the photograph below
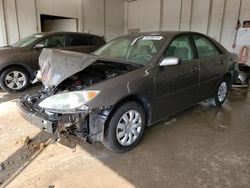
x,y
142,58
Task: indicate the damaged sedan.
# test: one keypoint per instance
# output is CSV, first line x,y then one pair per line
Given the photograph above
x,y
132,82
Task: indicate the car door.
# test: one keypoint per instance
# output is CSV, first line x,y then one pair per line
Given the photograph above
x,y
80,43
209,58
177,85
54,41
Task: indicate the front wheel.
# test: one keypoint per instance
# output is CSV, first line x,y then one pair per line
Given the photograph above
x,y
125,128
14,79
221,93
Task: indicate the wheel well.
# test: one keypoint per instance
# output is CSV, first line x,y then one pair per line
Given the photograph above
x,y
228,77
141,100
19,66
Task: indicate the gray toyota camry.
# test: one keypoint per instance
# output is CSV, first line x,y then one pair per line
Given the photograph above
x,y
132,82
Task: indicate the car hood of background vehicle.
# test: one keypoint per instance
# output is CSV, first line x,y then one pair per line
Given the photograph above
x,y
10,50
57,65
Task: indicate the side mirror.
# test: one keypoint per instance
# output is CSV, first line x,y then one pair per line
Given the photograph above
x,y
167,61
39,46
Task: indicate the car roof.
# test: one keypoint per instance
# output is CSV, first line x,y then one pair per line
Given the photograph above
x,y
66,32
161,33
172,34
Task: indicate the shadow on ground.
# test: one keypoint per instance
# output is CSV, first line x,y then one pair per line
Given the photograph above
x,y
17,162
5,97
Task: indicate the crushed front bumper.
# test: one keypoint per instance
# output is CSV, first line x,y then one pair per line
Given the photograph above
x,y
35,119
92,124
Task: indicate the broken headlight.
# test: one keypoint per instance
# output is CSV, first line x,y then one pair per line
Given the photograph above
x,y
69,102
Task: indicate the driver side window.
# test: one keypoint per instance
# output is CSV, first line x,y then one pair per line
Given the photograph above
x,y
181,48
56,41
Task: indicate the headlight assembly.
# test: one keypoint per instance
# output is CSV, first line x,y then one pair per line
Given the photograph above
x,y
69,102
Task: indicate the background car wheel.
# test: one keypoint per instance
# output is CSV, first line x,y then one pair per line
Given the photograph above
x,y
14,79
125,128
221,93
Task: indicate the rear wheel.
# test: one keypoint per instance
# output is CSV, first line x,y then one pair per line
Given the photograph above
x,y
14,79
221,93
125,128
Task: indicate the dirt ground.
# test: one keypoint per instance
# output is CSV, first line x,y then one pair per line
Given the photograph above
x,y
202,147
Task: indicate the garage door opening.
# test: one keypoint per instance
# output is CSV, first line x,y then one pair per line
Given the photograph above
x,y
57,23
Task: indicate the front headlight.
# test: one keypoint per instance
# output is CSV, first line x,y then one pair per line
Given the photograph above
x,y
69,102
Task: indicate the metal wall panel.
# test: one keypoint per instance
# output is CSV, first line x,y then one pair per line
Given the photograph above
x,y
144,14
200,15
26,14
171,15
216,19
230,23
114,25
3,37
185,15
12,27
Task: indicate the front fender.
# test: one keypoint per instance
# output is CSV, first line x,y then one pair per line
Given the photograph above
x,y
114,90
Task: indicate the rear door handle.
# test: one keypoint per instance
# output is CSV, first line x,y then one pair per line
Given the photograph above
x,y
195,69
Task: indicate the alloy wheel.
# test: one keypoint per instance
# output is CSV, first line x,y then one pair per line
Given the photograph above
x,y
15,80
222,91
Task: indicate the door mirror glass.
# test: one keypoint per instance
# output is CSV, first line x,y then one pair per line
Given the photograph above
x,y
39,46
167,61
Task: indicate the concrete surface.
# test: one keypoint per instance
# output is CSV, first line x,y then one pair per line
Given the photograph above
x,y
202,147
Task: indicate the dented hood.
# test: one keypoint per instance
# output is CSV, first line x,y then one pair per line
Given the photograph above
x,y
57,65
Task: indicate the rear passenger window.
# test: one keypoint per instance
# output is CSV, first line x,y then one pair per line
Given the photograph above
x,y
78,40
205,48
91,41
181,48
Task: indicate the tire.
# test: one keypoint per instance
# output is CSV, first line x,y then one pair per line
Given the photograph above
x,y
14,79
114,131
221,93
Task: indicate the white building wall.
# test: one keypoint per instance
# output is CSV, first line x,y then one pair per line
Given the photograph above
x,y
11,21
63,8
186,15
230,23
20,18
114,25
217,18
93,16
144,15
26,15
3,40
171,15
245,10
200,15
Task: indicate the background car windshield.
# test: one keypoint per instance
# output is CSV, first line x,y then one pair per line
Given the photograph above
x,y
139,50
27,41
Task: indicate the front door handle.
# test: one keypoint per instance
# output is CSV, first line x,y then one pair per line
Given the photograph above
x,y
91,49
222,61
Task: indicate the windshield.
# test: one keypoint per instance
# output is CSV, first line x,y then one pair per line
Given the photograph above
x,y
27,41
139,50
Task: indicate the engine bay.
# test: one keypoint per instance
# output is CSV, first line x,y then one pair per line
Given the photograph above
x,y
93,74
